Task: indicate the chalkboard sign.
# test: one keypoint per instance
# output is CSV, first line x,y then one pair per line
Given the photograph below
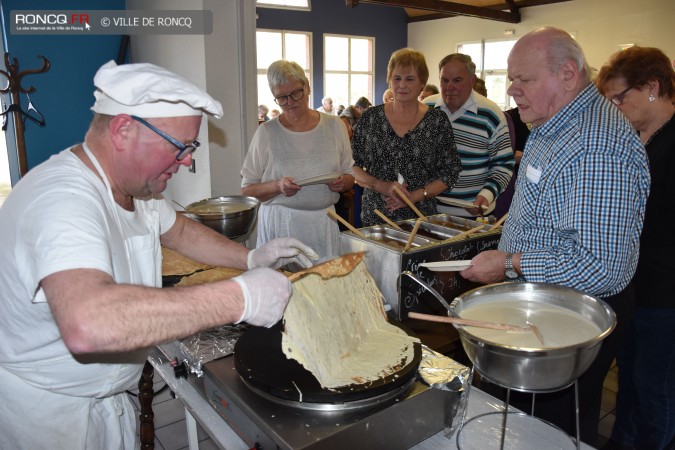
x,y
413,297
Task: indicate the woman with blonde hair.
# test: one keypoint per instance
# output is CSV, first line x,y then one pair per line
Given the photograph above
x,y
403,144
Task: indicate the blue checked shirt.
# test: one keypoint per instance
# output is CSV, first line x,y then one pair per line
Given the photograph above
x,y
580,199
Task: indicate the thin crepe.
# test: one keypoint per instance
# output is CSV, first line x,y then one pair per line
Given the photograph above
x,y
173,263
338,330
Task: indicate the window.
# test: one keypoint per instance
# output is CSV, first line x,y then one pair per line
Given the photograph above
x,y
490,58
348,69
285,4
272,45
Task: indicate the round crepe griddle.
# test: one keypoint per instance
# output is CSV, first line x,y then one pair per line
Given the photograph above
x,y
260,361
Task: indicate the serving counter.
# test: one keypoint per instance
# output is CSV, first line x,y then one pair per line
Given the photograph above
x,y
442,238
482,433
237,417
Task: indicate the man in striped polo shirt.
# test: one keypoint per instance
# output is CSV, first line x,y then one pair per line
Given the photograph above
x,y
482,138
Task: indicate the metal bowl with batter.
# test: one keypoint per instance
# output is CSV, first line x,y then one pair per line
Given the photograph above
x,y
232,216
535,368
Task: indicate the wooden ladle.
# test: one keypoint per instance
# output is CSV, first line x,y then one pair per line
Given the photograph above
x,y
467,322
351,227
410,204
388,221
413,233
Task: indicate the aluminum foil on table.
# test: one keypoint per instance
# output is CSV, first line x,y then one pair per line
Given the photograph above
x,y
441,372
207,346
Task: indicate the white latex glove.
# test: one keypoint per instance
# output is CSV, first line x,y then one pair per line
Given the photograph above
x,y
279,252
266,293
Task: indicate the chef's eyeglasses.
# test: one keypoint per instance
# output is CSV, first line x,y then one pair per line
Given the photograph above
x,y
296,95
185,150
618,98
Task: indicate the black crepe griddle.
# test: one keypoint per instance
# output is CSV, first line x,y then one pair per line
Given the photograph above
x,y
260,361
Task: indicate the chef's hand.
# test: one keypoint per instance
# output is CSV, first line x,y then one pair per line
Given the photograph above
x,y
281,251
266,293
487,267
288,187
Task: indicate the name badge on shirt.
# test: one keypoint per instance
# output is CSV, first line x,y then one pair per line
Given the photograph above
x,y
533,174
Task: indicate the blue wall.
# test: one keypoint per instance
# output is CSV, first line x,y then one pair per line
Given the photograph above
x,y
64,94
388,25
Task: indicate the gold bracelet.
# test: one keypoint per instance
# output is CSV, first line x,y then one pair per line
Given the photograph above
x,y
426,194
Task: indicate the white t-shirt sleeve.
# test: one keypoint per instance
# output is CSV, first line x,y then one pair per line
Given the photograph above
x,y
62,230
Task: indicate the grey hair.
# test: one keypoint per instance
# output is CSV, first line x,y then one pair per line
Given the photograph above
x,y
282,71
562,48
460,57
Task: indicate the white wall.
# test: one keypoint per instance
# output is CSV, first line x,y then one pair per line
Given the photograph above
x,y
600,27
219,63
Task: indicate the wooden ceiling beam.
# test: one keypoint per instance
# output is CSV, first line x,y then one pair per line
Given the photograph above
x,y
440,6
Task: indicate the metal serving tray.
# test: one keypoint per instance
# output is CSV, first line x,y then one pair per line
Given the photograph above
x,y
386,262
383,235
456,223
429,230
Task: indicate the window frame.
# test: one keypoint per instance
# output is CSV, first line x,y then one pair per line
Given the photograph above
x,y
258,4
269,102
507,101
349,72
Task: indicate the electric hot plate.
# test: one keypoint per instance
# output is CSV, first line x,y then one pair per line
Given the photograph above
x,y
260,361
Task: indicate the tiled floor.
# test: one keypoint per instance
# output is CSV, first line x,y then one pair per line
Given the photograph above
x,y
608,406
171,431
170,427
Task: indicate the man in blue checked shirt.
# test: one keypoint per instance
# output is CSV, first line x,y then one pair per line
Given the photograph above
x,y
579,203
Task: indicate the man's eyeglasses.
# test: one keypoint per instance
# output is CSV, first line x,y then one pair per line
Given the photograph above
x,y
296,95
185,150
618,98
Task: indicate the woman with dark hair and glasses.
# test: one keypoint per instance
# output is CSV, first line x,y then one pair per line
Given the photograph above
x,y
640,81
297,165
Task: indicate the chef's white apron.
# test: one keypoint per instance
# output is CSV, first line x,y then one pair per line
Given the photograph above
x,y
71,404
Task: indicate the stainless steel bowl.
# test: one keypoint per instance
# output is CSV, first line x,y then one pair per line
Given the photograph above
x,y
534,370
232,216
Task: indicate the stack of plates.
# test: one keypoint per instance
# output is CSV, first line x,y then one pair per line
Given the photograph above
x,y
319,179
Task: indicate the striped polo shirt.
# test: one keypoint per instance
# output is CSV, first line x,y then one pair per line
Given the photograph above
x,y
484,147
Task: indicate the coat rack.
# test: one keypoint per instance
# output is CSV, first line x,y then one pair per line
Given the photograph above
x,y
14,77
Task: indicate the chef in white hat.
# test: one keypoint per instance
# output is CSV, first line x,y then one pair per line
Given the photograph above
x,y
80,285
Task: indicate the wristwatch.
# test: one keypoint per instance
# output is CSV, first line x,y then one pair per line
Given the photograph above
x,y
509,271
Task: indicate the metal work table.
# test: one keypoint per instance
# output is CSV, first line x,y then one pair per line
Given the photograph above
x,y
481,433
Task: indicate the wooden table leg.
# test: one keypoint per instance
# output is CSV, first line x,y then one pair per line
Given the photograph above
x,y
145,395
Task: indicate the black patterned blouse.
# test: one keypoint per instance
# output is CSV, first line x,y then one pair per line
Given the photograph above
x,y
424,154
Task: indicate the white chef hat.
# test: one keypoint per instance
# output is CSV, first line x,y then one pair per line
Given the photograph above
x,y
147,90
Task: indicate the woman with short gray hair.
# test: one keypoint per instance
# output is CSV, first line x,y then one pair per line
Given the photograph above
x,y
297,165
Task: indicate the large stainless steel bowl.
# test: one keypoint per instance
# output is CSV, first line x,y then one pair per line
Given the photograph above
x,y
534,370
232,216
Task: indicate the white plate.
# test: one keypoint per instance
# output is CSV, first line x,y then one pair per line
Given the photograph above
x,y
456,202
319,179
447,266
